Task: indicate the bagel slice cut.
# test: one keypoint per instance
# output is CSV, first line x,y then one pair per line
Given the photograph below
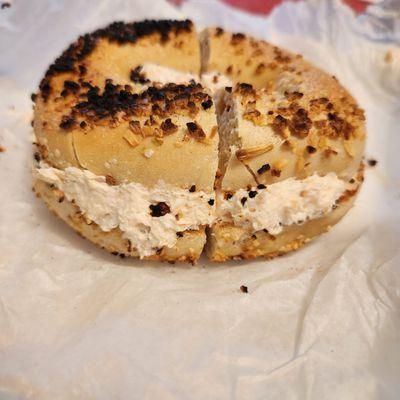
x,y
127,161
290,159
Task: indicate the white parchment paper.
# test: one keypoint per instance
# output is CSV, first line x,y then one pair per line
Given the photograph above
x,y
321,323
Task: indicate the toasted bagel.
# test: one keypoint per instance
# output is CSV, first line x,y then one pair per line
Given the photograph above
x,y
139,111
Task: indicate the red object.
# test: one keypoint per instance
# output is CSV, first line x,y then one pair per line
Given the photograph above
x,y
266,6
255,6
359,6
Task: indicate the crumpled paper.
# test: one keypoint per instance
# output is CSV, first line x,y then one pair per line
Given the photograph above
x,y
321,323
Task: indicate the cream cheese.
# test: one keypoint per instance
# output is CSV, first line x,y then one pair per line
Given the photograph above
x,y
127,206
160,74
283,203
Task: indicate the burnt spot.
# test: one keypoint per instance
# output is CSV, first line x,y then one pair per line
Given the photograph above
x,y
245,89
261,186
137,76
159,209
66,62
67,123
339,126
218,31
161,101
293,96
192,189
211,202
371,162
119,32
243,200
264,168
195,131
122,32
70,87
280,56
260,69
82,70
311,149
253,193
237,38
207,104
168,127
300,123
279,125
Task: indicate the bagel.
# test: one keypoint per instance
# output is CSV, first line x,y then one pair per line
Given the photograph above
x,y
149,134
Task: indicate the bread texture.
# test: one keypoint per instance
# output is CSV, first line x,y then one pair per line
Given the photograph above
x,y
282,118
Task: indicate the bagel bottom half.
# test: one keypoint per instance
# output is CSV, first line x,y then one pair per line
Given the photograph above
x,y
188,247
224,242
228,242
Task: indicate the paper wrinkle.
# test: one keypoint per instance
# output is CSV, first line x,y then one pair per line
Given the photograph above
x,y
321,323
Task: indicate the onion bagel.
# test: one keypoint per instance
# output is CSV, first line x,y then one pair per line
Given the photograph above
x,y
152,140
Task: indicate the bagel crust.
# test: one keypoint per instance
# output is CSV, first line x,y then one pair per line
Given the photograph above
x,y
152,105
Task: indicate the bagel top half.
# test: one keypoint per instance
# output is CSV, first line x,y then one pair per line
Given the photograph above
x,y
95,112
283,117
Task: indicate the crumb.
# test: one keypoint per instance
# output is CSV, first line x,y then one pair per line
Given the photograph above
x,y
388,57
371,162
244,289
110,180
2,149
5,5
